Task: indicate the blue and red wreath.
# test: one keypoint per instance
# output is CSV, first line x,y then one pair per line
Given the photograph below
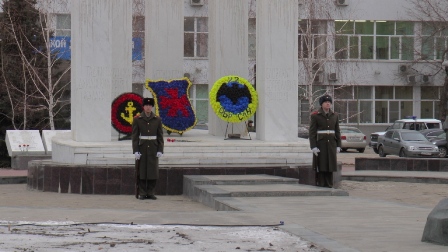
x,y
173,104
124,108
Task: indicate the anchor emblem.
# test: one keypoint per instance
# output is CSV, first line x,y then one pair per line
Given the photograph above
x,y
130,110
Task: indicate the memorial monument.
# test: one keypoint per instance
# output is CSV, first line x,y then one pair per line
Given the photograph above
x,y
90,159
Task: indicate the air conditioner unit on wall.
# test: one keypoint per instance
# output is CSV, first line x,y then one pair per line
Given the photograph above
x,y
332,77
196,2
403,68
412,79
318,78
317,68
342,2
426,79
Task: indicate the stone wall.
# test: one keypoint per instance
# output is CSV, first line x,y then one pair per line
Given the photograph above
x,y
402,164
48,176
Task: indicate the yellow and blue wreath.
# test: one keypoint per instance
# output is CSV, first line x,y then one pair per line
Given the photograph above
x,y
233,99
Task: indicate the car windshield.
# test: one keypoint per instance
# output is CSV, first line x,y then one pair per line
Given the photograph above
x,y
412,136
442,136
351,130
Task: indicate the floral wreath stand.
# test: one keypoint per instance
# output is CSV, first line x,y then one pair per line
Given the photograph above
x,y
172,104
233,136
233,100
124,108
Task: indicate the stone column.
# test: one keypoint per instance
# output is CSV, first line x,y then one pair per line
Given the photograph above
x,y
121,50
164,40
228,50
101,65
277,70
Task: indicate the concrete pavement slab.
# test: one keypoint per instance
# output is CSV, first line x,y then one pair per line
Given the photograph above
x,y
360,224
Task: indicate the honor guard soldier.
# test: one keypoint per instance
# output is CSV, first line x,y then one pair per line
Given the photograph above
x,y
147,145
325,141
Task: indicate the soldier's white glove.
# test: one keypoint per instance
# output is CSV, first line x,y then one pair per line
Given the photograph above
x,y
315,151
137,155
338,149
159,154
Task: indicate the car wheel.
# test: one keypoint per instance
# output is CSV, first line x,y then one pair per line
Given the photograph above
x,y
344,149
361,150
442,152
402,153
381,152
375,150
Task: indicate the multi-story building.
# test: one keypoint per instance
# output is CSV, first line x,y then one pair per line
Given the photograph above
x,y
379,61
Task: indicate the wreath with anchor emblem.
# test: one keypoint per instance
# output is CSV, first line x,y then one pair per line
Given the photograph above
x,y
124,108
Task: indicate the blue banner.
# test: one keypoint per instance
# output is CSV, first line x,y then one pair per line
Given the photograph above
x,y
61,46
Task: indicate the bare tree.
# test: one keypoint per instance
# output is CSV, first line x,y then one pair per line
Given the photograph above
x,y
18,29
43,84
433,17
317,53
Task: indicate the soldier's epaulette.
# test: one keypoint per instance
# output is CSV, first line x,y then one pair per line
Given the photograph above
x,y
315,112
137,115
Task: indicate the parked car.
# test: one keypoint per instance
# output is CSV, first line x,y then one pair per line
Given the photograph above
x,y
374,139
352,138
410,124
406,143
432,133
440,142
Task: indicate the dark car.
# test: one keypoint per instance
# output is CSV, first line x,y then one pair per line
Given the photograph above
x,y
440,142
304,132
432,133
374,139
406,143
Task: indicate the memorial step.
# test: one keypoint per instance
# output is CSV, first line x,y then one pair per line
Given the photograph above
x,y
196,160
216,191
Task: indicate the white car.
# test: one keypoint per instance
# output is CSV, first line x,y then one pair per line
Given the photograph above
x,y
352,138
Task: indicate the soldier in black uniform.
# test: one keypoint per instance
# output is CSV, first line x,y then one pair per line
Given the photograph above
x,y
147,145
325,141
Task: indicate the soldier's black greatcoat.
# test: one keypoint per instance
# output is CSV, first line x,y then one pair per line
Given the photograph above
x,y
148,126
326,143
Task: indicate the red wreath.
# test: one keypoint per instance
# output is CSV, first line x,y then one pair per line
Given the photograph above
x,y
124,108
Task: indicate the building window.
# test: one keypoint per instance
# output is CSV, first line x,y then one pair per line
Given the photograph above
x,y
353,103
393,103
195,37
312,39
381,40
252,38
63,25
138,27
199,101
304,110
430,100
378,104
434,40
138,37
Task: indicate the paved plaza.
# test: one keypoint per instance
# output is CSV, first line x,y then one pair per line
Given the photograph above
x,y
377,216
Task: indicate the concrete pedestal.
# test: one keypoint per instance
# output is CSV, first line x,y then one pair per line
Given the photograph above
x,y
436,228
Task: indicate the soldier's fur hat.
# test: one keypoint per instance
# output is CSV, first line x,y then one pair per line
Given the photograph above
x,y
324,99
148,101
